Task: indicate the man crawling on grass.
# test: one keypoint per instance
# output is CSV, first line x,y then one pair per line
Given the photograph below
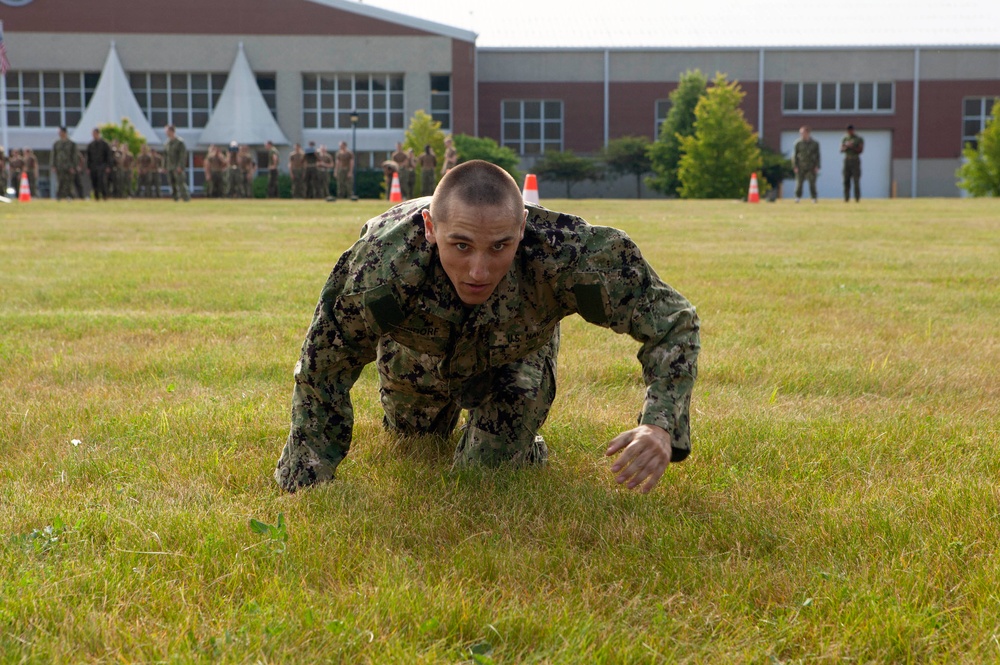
x,y
457,299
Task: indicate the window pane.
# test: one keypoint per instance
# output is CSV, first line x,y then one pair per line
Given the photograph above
x,y
396,121
866,94
810,101
328,83
829,97
137,81
219,82
344,119
362,82
551,146
179,100
51,80
310,100
73,99
396,83
159,99
158,118
345,101
379,120
511,110
199,100
199,81
52,100
532,110
158,81
553,131
29,79
553,110
52,119
199,118
439,103
532,148
378,100
885,96
178,81
328,120
90,80
396,102
327,100
971,127
362,101
378,83
309,120
32,119
532,131
846,96
440,83
181,119
790,97
73,118
308,81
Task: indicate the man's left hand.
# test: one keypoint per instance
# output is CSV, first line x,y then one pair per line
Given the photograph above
x,y
645,454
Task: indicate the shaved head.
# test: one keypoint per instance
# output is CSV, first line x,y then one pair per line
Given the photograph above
x,y
477,184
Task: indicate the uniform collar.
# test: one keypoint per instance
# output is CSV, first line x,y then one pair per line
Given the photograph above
x,y
440,299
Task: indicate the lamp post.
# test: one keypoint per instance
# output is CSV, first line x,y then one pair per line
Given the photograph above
x,y
354,155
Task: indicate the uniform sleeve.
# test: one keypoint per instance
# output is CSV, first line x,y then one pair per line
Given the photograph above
x,y
338,345
641,305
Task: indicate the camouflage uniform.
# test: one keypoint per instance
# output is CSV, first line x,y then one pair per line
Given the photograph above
x,y
388,300
852,146
805,158
175,163
64,161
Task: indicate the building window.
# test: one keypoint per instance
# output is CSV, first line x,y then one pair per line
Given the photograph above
x,y
976,112
329,99
662,108
48,99
532,127
441,99
180,99
838,97
268,85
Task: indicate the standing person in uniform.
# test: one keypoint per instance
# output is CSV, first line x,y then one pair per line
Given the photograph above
x,y
248,168
450,155
219,165
81,166
99,161
403,167
297,169
158,172
16,163
64,161
31,168
4,178
805,162
345,171
457,300
206,166
175,163
852,146
326,169
312,172
427,162
146,166
273,159
234,186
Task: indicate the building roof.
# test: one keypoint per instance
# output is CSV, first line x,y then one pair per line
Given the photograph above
x,y
241,114
113,100
399,18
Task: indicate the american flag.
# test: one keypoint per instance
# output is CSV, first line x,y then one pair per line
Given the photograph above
x,y
4,62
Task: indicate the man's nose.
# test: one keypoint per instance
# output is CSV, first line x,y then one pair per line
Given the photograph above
x,y
479,269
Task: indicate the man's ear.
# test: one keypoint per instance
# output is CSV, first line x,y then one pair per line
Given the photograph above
x,y
429,228
524,223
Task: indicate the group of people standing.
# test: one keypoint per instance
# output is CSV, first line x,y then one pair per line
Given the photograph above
x,y
17,163
404,164
312,170
113,170
806,161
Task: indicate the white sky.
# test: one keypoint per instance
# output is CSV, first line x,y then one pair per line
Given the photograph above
x,y
641,23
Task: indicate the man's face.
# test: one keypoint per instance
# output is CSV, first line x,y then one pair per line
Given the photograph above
x,y
170,133
476,246
96,134
804,133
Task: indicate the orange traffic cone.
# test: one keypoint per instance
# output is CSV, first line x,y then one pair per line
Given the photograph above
x,y
754,195
24,193
530,189
395,193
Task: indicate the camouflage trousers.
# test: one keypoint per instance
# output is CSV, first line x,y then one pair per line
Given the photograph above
x,y
506,405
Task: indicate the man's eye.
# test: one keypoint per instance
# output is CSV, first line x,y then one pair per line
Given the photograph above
x,y
498,247
461,246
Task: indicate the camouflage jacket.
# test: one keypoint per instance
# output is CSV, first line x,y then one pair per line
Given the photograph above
x,y
805,155
391,283
175,154
64,155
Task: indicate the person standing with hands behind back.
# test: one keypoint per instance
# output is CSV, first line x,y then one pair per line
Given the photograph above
x,y
852,146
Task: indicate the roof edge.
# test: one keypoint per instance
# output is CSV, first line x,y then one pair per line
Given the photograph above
x,y
400,19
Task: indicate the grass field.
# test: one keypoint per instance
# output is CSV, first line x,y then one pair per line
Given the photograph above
x,y
841,504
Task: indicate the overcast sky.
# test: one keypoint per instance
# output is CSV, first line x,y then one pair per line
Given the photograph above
x,y
640,23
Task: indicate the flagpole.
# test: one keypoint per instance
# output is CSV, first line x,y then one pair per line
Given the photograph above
x,y
3,105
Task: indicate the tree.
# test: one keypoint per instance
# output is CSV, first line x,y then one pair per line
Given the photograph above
x,y
665,152
425,130
629,155
567,167
980,174
486,149
124,133
718,159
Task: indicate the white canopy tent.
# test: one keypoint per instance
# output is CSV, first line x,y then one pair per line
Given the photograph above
x,y
241,114
112,101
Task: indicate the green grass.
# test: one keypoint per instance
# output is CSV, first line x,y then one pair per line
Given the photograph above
x,y
841,503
